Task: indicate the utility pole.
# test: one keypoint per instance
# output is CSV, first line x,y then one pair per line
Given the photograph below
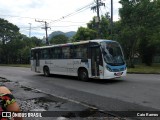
x,y
96,8
46,28
112,19
30,29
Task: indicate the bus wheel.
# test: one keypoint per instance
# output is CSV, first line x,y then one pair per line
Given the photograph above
x,y
83,74
46,71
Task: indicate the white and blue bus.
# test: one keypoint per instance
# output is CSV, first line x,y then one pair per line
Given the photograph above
x,y
100,59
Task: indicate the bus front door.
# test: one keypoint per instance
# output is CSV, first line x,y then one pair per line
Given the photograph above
x,y
36,62
95,61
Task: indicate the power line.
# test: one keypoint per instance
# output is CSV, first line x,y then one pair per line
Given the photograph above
x,y
28,27
73,13
23,17
35,28
68,15
41,19
57,20
73,21
68,25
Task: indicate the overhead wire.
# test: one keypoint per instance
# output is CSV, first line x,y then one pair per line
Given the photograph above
x,y
39,18
73,13
23,17
57,20
68,15
72,21
67,25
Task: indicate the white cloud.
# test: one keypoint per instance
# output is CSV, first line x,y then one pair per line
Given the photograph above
x,y
50,10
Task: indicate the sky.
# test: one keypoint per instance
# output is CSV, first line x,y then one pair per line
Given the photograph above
x,y
60,15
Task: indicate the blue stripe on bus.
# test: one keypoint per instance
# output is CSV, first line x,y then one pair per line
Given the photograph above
x,y
117,68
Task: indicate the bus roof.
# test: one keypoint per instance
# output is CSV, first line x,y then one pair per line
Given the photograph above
x,y
75,43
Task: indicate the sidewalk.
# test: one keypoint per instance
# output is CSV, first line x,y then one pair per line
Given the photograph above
x,y
31,99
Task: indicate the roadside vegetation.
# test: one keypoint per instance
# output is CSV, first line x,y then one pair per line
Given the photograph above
x,y
16,65
137,31
141,68
154,69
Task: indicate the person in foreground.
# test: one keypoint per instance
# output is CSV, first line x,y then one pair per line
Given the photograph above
x,y
8,103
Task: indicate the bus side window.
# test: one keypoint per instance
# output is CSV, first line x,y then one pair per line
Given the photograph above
x,y
84,52
71,52
52,53
75,51
46,55
57,53
32,54
66,52
81,51
42,54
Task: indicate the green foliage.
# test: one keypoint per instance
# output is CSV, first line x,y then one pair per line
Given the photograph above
x,y
155,68
18,51
28,43
15,47
59,39
138,31
104,26
141,26
8,31
85,34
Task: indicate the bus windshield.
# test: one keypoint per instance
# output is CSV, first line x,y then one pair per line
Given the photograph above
x,y
112,53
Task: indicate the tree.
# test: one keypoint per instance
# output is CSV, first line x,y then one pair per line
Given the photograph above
x,y
150,21
59,39
8,31
15,47
24,53
12,49
128,33
104,26
140,21
36,42
85,34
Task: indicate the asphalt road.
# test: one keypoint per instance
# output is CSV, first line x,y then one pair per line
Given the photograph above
x,y
136,92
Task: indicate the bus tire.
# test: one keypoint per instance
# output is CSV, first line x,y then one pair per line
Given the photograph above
x,y
46,71
83,74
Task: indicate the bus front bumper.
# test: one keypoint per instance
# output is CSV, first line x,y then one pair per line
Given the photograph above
x,y
110,75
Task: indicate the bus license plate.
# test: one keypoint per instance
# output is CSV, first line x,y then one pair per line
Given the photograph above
x,y
118,74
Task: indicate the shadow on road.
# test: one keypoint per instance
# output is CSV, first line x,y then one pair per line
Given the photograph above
x,y
106,81
97,81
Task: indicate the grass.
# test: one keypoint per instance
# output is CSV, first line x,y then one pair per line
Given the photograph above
x,y
154,69
16,65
